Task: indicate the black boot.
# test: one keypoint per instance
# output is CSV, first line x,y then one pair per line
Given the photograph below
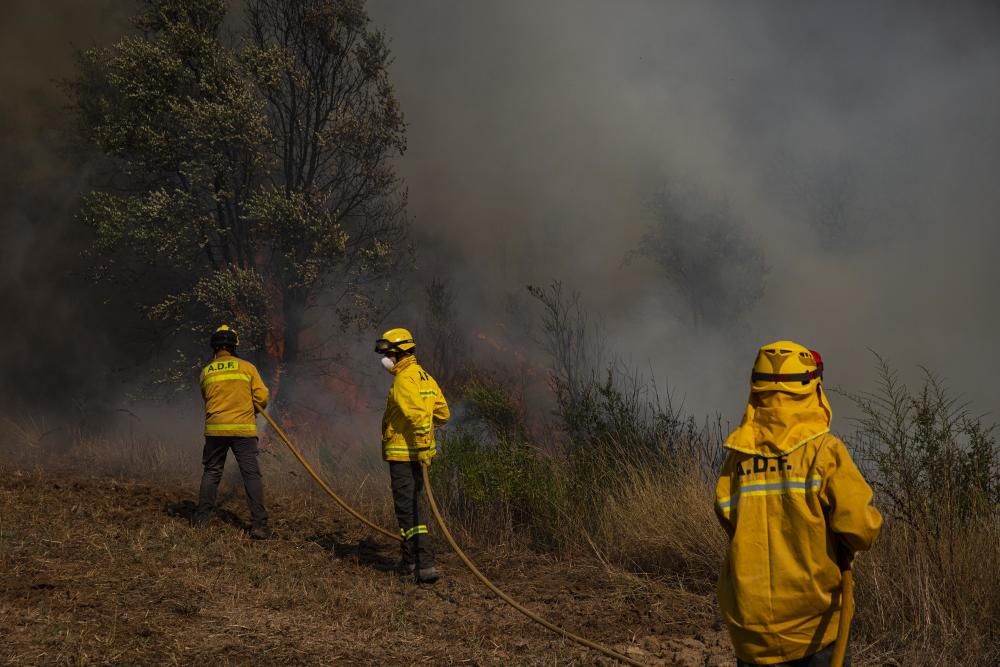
x,y
261,532
428,575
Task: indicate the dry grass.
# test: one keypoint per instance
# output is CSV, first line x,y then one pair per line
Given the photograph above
x,y
937,603
659,521
101,567
920,601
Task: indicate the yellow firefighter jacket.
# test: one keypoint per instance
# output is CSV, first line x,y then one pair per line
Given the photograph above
x,y
789,496
231,388
414,406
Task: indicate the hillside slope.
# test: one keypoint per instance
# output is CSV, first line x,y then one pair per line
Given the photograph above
x,y
101,571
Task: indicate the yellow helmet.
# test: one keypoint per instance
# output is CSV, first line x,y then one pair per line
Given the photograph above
x,y
786,366
225,336
395,340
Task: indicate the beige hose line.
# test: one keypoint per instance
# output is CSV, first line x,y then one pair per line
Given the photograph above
x,y
846,616
506,598
454,545
326,487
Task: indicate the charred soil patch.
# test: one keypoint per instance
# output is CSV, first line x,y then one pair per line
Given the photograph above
x,y
101,571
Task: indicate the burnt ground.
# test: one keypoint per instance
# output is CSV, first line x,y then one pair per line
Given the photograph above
x,y
101,571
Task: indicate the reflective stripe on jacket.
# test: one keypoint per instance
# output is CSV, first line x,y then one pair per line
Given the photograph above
x,y
231,387
786,516
414,406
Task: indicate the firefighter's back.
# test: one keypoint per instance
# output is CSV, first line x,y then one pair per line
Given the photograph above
x,y
231,386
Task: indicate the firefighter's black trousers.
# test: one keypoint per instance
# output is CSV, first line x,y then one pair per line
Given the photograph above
x,y
407,483
213,458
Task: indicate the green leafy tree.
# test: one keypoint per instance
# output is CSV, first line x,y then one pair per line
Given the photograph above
x,y
248,167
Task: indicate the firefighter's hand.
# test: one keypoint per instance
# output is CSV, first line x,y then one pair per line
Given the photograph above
x,y
425,455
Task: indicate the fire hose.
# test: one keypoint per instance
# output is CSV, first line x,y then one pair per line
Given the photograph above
x,y
326,487
454,545
503,596
846,615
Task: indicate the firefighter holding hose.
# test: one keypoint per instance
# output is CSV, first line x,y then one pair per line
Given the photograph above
x,y
233,394
796,510
415,405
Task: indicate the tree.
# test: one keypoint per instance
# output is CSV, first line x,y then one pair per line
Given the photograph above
x,y
836,208
246,173
445,352
706,256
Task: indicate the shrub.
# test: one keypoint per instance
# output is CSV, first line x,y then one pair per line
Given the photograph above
x,y
490,479
610,415
934,465
929,586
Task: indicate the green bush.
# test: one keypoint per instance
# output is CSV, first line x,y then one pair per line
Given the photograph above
x,y
490,479
932,463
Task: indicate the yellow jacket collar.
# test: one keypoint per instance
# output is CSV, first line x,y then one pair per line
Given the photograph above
x,y
403,364
776,422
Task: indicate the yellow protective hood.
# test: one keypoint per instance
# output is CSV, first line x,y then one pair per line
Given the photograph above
x,y
778,422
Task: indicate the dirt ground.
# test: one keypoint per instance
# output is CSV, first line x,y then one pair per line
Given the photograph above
x,y
100,571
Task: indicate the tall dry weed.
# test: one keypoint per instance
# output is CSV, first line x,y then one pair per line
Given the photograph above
x,y
931,604
659,521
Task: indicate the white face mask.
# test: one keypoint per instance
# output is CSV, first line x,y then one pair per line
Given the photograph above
x,y
388,363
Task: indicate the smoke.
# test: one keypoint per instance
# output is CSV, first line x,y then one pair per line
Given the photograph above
x,y
57,335
857,143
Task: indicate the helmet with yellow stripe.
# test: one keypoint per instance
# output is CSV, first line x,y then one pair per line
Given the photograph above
x,y
786,366
225,337
395,340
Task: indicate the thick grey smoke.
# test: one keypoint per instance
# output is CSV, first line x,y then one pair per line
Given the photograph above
x,y
57,345
856,145
856,142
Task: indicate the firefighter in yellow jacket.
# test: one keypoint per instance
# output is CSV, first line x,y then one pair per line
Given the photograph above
x,y
234,394
415,405
794,505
